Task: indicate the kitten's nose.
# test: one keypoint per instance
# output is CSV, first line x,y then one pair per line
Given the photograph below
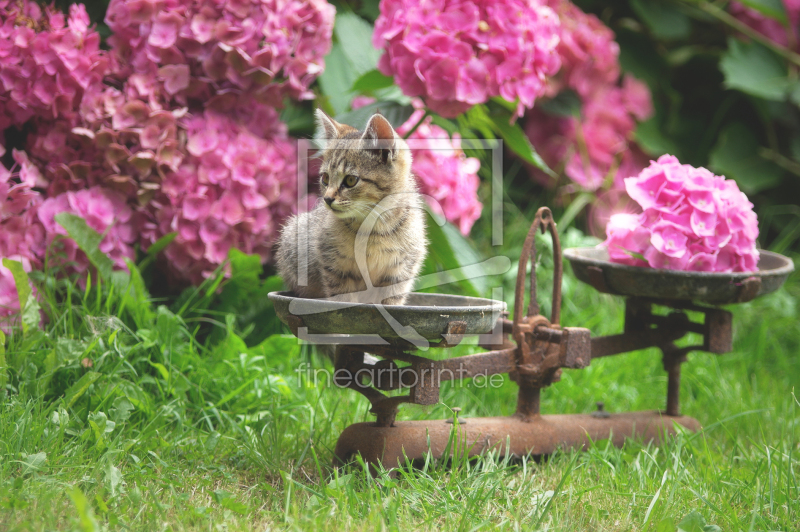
x,y
328,200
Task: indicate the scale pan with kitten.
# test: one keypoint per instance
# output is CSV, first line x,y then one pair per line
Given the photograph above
x,y
531,348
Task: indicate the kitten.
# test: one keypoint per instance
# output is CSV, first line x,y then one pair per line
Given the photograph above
x,y
365,183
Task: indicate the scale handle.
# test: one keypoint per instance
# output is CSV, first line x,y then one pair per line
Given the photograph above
x,y
544,221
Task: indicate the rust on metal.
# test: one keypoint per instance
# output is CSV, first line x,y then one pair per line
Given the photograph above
x,y
426,390
718,333
454,333
601,411
539,435
749,290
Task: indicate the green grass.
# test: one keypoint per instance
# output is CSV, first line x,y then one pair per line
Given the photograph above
x,y
194,419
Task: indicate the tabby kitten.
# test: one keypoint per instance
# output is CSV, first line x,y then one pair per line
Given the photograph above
x,y
365,242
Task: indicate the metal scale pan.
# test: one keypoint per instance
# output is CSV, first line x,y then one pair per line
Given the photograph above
x,y
592,266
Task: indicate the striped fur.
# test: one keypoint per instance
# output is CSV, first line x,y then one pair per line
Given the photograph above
x,y
370,212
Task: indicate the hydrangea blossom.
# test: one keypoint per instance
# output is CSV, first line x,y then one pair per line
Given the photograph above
x,y
594,146
118,143
105,211
457,53
771,28
234,189
444,173
47,61
197,49
691,220
587,49
21,236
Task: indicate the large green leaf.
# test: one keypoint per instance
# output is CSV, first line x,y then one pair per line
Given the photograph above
x,y
395,113
337,79
650,137
372,81
736,156
28,305
754,69
517,141
355,35
664,19
449,250
89,241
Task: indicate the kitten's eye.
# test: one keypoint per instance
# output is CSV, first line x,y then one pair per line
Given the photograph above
x,y
350,180
324,176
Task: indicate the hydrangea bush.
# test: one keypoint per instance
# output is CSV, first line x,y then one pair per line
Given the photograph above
x,y
174,128
691,219
456,53
47,61
594,143
192,51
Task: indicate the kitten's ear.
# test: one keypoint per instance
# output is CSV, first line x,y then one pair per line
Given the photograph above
x,y
327,127
379,135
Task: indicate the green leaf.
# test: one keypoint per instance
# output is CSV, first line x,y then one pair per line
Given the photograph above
x,y
355,35
773,9
79,388
113,479
84,509
651,139
565,103
337,79
28,305
397,114
754,69
33,462
517,141
448,250
121,409
372,81
694,522
663,19
161,244
226,500
666,525
736,156
88,240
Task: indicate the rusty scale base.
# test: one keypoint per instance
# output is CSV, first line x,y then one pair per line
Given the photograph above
x,y
532,350
541,435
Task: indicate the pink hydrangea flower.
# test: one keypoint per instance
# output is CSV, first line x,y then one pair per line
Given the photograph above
x,y
691,220
105,211
595,147
235,188
47,61
191,51
770,28
587,49
457,53
21,235
447,176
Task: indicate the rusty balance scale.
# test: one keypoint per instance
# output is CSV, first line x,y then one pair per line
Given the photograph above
x,y
531,349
